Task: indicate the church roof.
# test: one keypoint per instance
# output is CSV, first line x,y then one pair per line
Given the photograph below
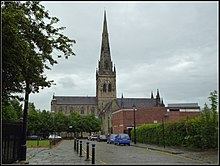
x,y
75,100
138,102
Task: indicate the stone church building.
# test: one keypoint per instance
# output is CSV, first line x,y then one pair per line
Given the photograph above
x,y
105,102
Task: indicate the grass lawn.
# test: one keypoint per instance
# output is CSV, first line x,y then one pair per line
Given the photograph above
x,y
40,143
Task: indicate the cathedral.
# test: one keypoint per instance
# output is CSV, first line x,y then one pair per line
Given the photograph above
x,y
105,102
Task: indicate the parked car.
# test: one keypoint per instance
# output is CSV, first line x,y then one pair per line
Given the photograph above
x,y
54,136
111,138
102,138
92,137
122,139
34,137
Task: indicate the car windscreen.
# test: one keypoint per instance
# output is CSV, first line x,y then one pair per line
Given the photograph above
x,y
124,136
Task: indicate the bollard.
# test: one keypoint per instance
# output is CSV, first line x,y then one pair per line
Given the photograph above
x,y
87,151
80,149
77,146
93,153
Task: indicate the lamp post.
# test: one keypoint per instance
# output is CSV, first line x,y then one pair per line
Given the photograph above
x,y
164,116
109,126
53,138
70,127
134,108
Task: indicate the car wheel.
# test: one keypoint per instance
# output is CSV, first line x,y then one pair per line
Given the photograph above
x,y
128,144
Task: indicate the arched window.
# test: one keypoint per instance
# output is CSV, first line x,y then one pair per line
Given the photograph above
x,y
82,110
93,110
109,87
71,109
60,109
104,88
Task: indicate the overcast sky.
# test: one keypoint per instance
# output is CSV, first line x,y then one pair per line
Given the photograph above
x,y
170,46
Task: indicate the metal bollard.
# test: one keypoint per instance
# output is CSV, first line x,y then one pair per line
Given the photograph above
x,y
93,153
80,149
77,146
87,151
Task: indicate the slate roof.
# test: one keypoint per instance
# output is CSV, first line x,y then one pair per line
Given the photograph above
x,y
183,105
122,102
75,100
138,102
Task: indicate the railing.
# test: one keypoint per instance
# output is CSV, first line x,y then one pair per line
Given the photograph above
x,y
11,141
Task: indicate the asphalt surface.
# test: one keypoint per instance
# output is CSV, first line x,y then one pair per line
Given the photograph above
x,y
64,154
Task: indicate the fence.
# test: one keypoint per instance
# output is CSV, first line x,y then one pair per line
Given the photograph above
x,y
11,141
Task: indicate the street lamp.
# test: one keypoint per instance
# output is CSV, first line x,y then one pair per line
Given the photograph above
x,y
53,138
109,126
134,108
70,127
164,116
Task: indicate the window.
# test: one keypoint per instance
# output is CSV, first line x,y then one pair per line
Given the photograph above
x,y
92,110
174,109
104,88
82,110
71,109
60,109
109,87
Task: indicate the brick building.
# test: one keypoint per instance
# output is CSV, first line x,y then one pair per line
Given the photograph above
x,y
123,119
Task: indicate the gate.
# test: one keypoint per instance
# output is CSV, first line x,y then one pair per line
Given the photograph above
x,y
11,141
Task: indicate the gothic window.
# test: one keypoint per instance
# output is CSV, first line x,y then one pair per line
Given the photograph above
x,y
92,110
71,109
109,87
104,88
82,110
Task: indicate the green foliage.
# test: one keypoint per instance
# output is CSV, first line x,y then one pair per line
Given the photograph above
x,y
12,110
198,132
29,38
46,122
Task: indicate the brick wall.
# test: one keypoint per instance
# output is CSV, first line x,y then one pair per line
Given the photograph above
x,y
124,118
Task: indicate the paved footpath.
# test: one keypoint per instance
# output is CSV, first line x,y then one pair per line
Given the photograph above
x,y
62,154
207,156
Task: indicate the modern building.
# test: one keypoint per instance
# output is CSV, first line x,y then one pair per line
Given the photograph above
x,y
123,119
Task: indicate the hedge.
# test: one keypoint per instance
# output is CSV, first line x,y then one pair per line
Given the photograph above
x,y
197,132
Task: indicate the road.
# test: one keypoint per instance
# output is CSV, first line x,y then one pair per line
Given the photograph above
x,y
113,154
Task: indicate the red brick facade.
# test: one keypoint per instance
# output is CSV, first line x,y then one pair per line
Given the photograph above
x,y
124,118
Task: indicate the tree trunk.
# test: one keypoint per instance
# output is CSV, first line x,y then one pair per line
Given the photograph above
x,y
24,130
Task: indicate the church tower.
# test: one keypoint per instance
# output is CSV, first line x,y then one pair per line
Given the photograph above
x,y
106,73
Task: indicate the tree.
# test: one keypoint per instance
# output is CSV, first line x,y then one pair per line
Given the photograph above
x,y
213,98
29,39
12,110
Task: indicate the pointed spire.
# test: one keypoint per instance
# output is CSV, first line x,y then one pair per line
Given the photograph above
x,y
122,103
158,98
152,96
162,104
105,64
105,30
158,95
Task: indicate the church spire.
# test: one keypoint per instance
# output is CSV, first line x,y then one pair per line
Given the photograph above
x,y
152,96
105,64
